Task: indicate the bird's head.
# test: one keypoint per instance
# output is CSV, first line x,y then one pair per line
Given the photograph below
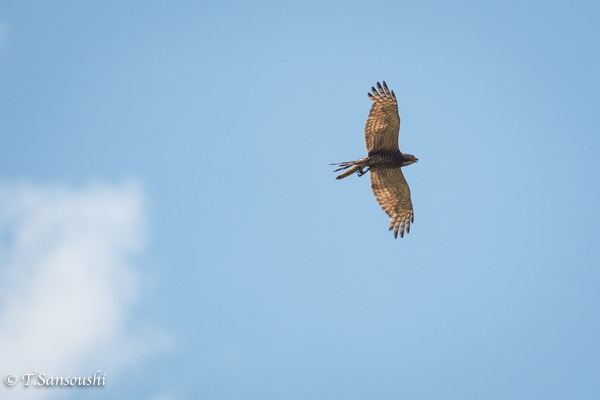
x,y
408,159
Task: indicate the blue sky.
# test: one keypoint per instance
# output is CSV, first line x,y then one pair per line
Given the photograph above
x,y
216,253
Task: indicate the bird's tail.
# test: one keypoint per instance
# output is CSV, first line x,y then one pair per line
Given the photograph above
x,y
355,166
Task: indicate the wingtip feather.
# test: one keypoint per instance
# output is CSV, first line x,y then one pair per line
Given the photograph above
x,y
385,88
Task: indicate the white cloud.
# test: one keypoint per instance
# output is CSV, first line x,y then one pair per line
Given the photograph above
x,y
67,280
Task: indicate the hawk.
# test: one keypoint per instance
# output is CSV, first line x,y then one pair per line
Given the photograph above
x,y
385,160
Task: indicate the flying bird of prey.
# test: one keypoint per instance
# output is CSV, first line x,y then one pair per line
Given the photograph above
x,y
384,160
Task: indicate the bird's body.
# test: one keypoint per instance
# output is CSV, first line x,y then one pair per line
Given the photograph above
x,y
384,160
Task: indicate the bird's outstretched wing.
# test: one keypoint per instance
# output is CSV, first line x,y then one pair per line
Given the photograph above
x,y
383,125
393,195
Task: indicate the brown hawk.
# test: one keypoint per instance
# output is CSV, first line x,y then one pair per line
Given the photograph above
x,y
384,160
